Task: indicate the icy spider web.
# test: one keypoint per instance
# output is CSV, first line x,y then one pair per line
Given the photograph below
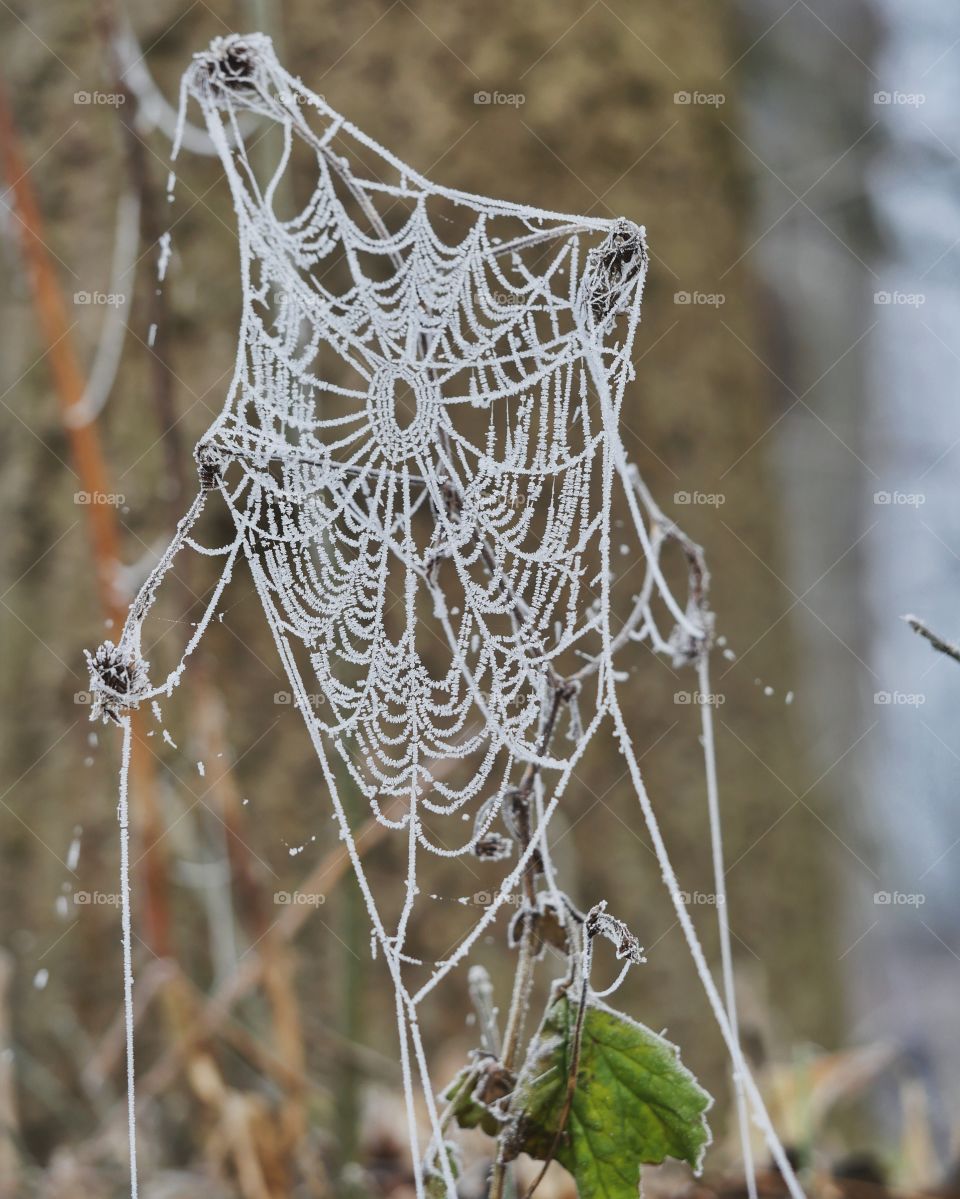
x,y
420,452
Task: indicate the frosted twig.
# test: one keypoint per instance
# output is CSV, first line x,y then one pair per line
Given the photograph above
x,y
944,647
124,821
723,916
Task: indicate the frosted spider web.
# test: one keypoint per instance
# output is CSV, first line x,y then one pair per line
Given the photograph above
x,y
420,450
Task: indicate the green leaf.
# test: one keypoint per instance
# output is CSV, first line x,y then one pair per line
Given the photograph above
x,y
634,1101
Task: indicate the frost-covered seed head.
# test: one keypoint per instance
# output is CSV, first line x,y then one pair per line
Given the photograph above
x,y
117,679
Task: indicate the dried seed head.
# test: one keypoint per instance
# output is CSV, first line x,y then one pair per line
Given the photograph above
x,y
233,64
209,467
612,269
493,847
118,679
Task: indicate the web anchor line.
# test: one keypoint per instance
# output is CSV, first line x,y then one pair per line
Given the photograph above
x,y
420,452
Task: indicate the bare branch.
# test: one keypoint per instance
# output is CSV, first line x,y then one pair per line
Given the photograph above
x,y
943,647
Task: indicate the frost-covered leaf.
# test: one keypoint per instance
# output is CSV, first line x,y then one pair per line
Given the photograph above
x,y
546,924
634,1101
474,1091
601,924
434,1184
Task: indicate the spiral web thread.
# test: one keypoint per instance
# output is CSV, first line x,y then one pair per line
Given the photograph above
x,y
420,452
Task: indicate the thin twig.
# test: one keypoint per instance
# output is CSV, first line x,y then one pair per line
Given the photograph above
x,y
523,979
944,647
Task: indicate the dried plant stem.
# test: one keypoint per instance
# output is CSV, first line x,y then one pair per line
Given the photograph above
x,y
523,979
943,647
522,983
68,379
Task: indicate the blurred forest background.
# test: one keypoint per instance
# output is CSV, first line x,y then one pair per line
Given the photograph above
x,y
795,409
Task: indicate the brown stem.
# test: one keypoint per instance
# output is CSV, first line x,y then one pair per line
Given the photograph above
x,y
523,979
69,383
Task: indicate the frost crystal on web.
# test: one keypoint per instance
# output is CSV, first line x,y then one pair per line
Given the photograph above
x,y
421,452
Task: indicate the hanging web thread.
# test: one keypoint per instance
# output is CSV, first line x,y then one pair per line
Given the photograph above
x,y
420,451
